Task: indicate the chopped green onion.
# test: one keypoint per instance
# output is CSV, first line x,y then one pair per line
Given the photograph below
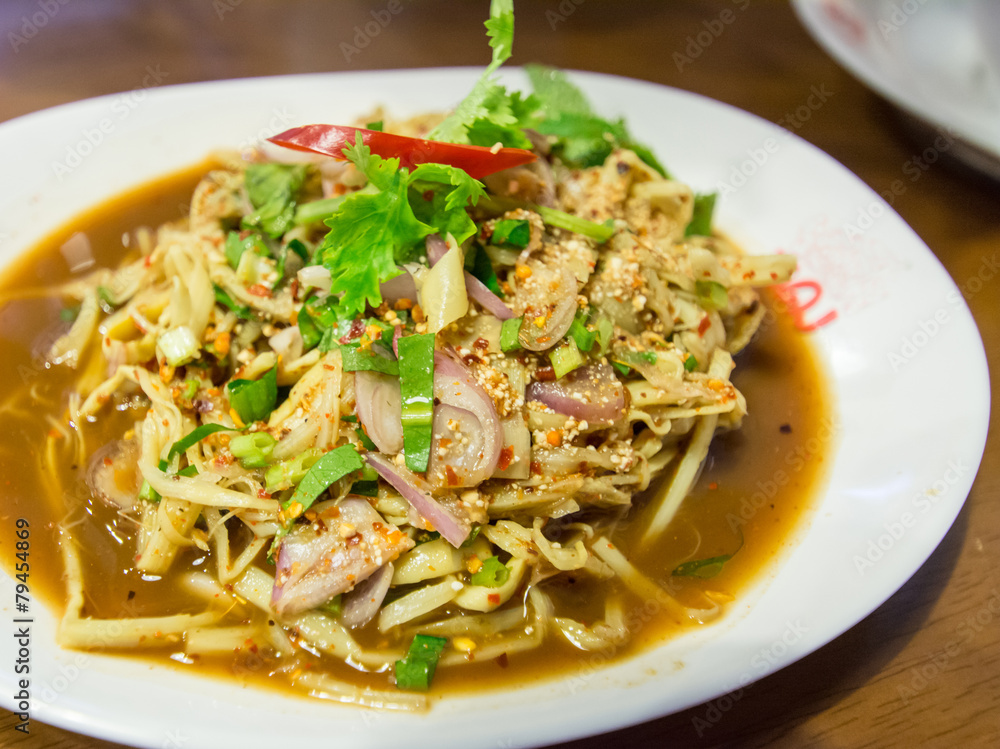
x,y
701,219
332,466
492,574
690,363
598,232
605,332
191,470
252,268
288,473
69,314
254,400
511,233
703,568
565,358
357,359
416,670
580,333
253,450
376,125
105,295
350,418
623,361
365,439
148,493
319,210
190,388
223,298
311,334
473,535
193,437
477,262
334,606
272,189
178,346
235,247
621,368
509,334
365,488
416,384
299,248
711,295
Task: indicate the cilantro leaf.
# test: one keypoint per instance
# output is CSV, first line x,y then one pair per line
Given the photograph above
x,y
500,30
370,233
467,190
582,138
488,101
439,194
554,93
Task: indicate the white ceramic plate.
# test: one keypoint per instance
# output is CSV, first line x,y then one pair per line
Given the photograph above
x,y
938,61
903,356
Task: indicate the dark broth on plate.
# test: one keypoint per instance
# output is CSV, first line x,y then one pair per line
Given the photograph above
x,y
748,502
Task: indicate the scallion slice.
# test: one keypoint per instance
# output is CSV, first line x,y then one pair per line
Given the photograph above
x,y
416,383
416,670
254,400
193,437
332,466
253,450
511,232
492,574
509,332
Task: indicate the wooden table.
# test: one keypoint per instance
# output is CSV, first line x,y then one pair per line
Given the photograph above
x,y
851,693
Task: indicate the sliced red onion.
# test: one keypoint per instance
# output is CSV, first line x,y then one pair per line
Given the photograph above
x,y
315,277
476,289
486,298
415,491
397,333
590,393
436,249
379,405
398,287
113,474
455,386
556,316
362,604
320,560
457,449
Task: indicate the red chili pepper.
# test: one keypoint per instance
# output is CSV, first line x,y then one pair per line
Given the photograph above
x,y
330,140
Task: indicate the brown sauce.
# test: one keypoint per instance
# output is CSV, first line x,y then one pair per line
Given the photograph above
x,y
752,495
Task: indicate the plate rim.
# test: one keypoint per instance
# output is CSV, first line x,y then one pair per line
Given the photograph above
x,y
79,722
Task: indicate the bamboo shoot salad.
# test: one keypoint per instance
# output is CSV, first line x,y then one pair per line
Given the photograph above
x,y
397,380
